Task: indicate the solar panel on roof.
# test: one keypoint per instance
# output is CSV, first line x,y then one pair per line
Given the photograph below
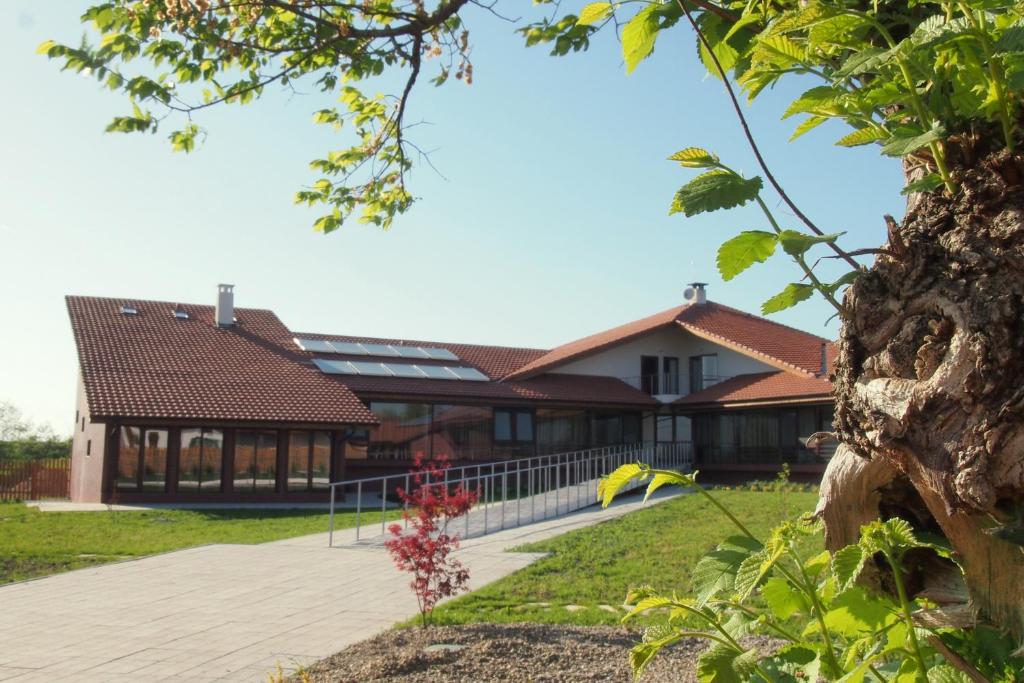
x,y
370,369
314,345
335,367
439,354
410,351
405,370
472,374
378,349
350,348
437,372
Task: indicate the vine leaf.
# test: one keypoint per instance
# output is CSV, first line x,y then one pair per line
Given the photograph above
x,y
744,250
864,136
932,181
639,35
847,565
713,190
902,145
797,243
793,294
594,13
695,157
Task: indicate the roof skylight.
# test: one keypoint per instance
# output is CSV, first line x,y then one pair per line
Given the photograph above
x,y
349,348
404,370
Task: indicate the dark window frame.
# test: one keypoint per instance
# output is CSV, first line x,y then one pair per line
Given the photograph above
x,y
140,465
513,419
310,445
202,458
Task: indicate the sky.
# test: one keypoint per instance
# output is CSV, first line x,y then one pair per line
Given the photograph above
x,y
547,218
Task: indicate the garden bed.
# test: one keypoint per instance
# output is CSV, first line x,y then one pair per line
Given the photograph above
x,y
503,652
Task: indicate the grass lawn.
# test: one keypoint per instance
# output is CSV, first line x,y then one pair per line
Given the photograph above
x,y
34,543
597,565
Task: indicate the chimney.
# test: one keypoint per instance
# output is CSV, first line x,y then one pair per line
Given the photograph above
x,y
695,293
224,313
824,359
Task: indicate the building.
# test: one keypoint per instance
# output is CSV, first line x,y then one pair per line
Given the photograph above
x,y
213,403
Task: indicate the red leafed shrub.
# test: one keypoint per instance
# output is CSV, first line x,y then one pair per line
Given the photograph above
x,y
424,549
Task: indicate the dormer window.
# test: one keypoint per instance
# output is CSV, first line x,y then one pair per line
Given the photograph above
x,y
180,314
129,310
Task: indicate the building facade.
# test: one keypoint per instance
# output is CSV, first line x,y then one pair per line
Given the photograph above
x,y
198,403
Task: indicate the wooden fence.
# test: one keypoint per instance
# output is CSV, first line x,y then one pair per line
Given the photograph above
x,y
35,479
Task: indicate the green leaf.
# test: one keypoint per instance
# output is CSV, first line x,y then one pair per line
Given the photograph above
x,y
594,13
927,183
695,157
944,673
815,565
45,47
898,145
793,294
639,35
744,250
863,136
783,600
749,574
812,101
847,564
662,478
715,30
610,485
717,665
793,663
806,126
857,613
713,190
797,243
716,572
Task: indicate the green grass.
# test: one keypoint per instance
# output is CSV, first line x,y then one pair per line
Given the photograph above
x,y
34,543
598,565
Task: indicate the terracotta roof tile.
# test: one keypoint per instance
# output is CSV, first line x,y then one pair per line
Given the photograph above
x,y
154,366
576,389
779,345
760,386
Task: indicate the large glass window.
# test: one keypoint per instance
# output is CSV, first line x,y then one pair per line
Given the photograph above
x,y
154,460
607,430
462,432
560,430
703,372
128,459
142,460
199,460
255,460
513,433
404,431
309,460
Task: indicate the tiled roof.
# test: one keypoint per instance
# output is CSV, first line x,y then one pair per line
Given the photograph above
x,y
598,342
575,389
493,361
152,365
779,345
760,386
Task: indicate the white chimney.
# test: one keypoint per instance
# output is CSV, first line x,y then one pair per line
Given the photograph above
x,y
224,313
695,293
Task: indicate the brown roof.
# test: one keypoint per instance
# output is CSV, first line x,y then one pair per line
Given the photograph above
x,y
153,365
760,386
574,389
779,345
493,361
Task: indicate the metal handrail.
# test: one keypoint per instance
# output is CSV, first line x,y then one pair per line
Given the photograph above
x,y
570,478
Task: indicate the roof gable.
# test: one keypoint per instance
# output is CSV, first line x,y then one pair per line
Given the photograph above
x,y
784,347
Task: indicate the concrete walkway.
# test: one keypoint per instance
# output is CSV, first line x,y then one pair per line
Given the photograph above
x,y
231,612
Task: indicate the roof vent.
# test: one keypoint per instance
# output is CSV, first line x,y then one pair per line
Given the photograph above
x,y
695,293
180,314
129,310
225,311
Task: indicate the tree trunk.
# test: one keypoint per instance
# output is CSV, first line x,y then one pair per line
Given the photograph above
x,y
930,386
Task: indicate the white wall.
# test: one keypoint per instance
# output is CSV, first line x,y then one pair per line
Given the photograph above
x,y
623,360
87,447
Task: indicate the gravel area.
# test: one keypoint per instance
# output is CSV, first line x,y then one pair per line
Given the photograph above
x,y
504,652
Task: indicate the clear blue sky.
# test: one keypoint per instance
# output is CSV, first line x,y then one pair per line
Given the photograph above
x,y
550,223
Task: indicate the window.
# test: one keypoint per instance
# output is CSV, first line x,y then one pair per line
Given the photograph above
x,y
513,425
404,431
703,371
607,430
669,375
199,460
561,430
357,444
309,460
83,423
461,432
88,447
649,375
141,460
255,460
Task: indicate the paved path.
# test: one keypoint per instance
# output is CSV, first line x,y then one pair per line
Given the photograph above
x,y
230,612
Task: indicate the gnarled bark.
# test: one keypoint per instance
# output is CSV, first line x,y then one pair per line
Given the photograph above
x,y
930,384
